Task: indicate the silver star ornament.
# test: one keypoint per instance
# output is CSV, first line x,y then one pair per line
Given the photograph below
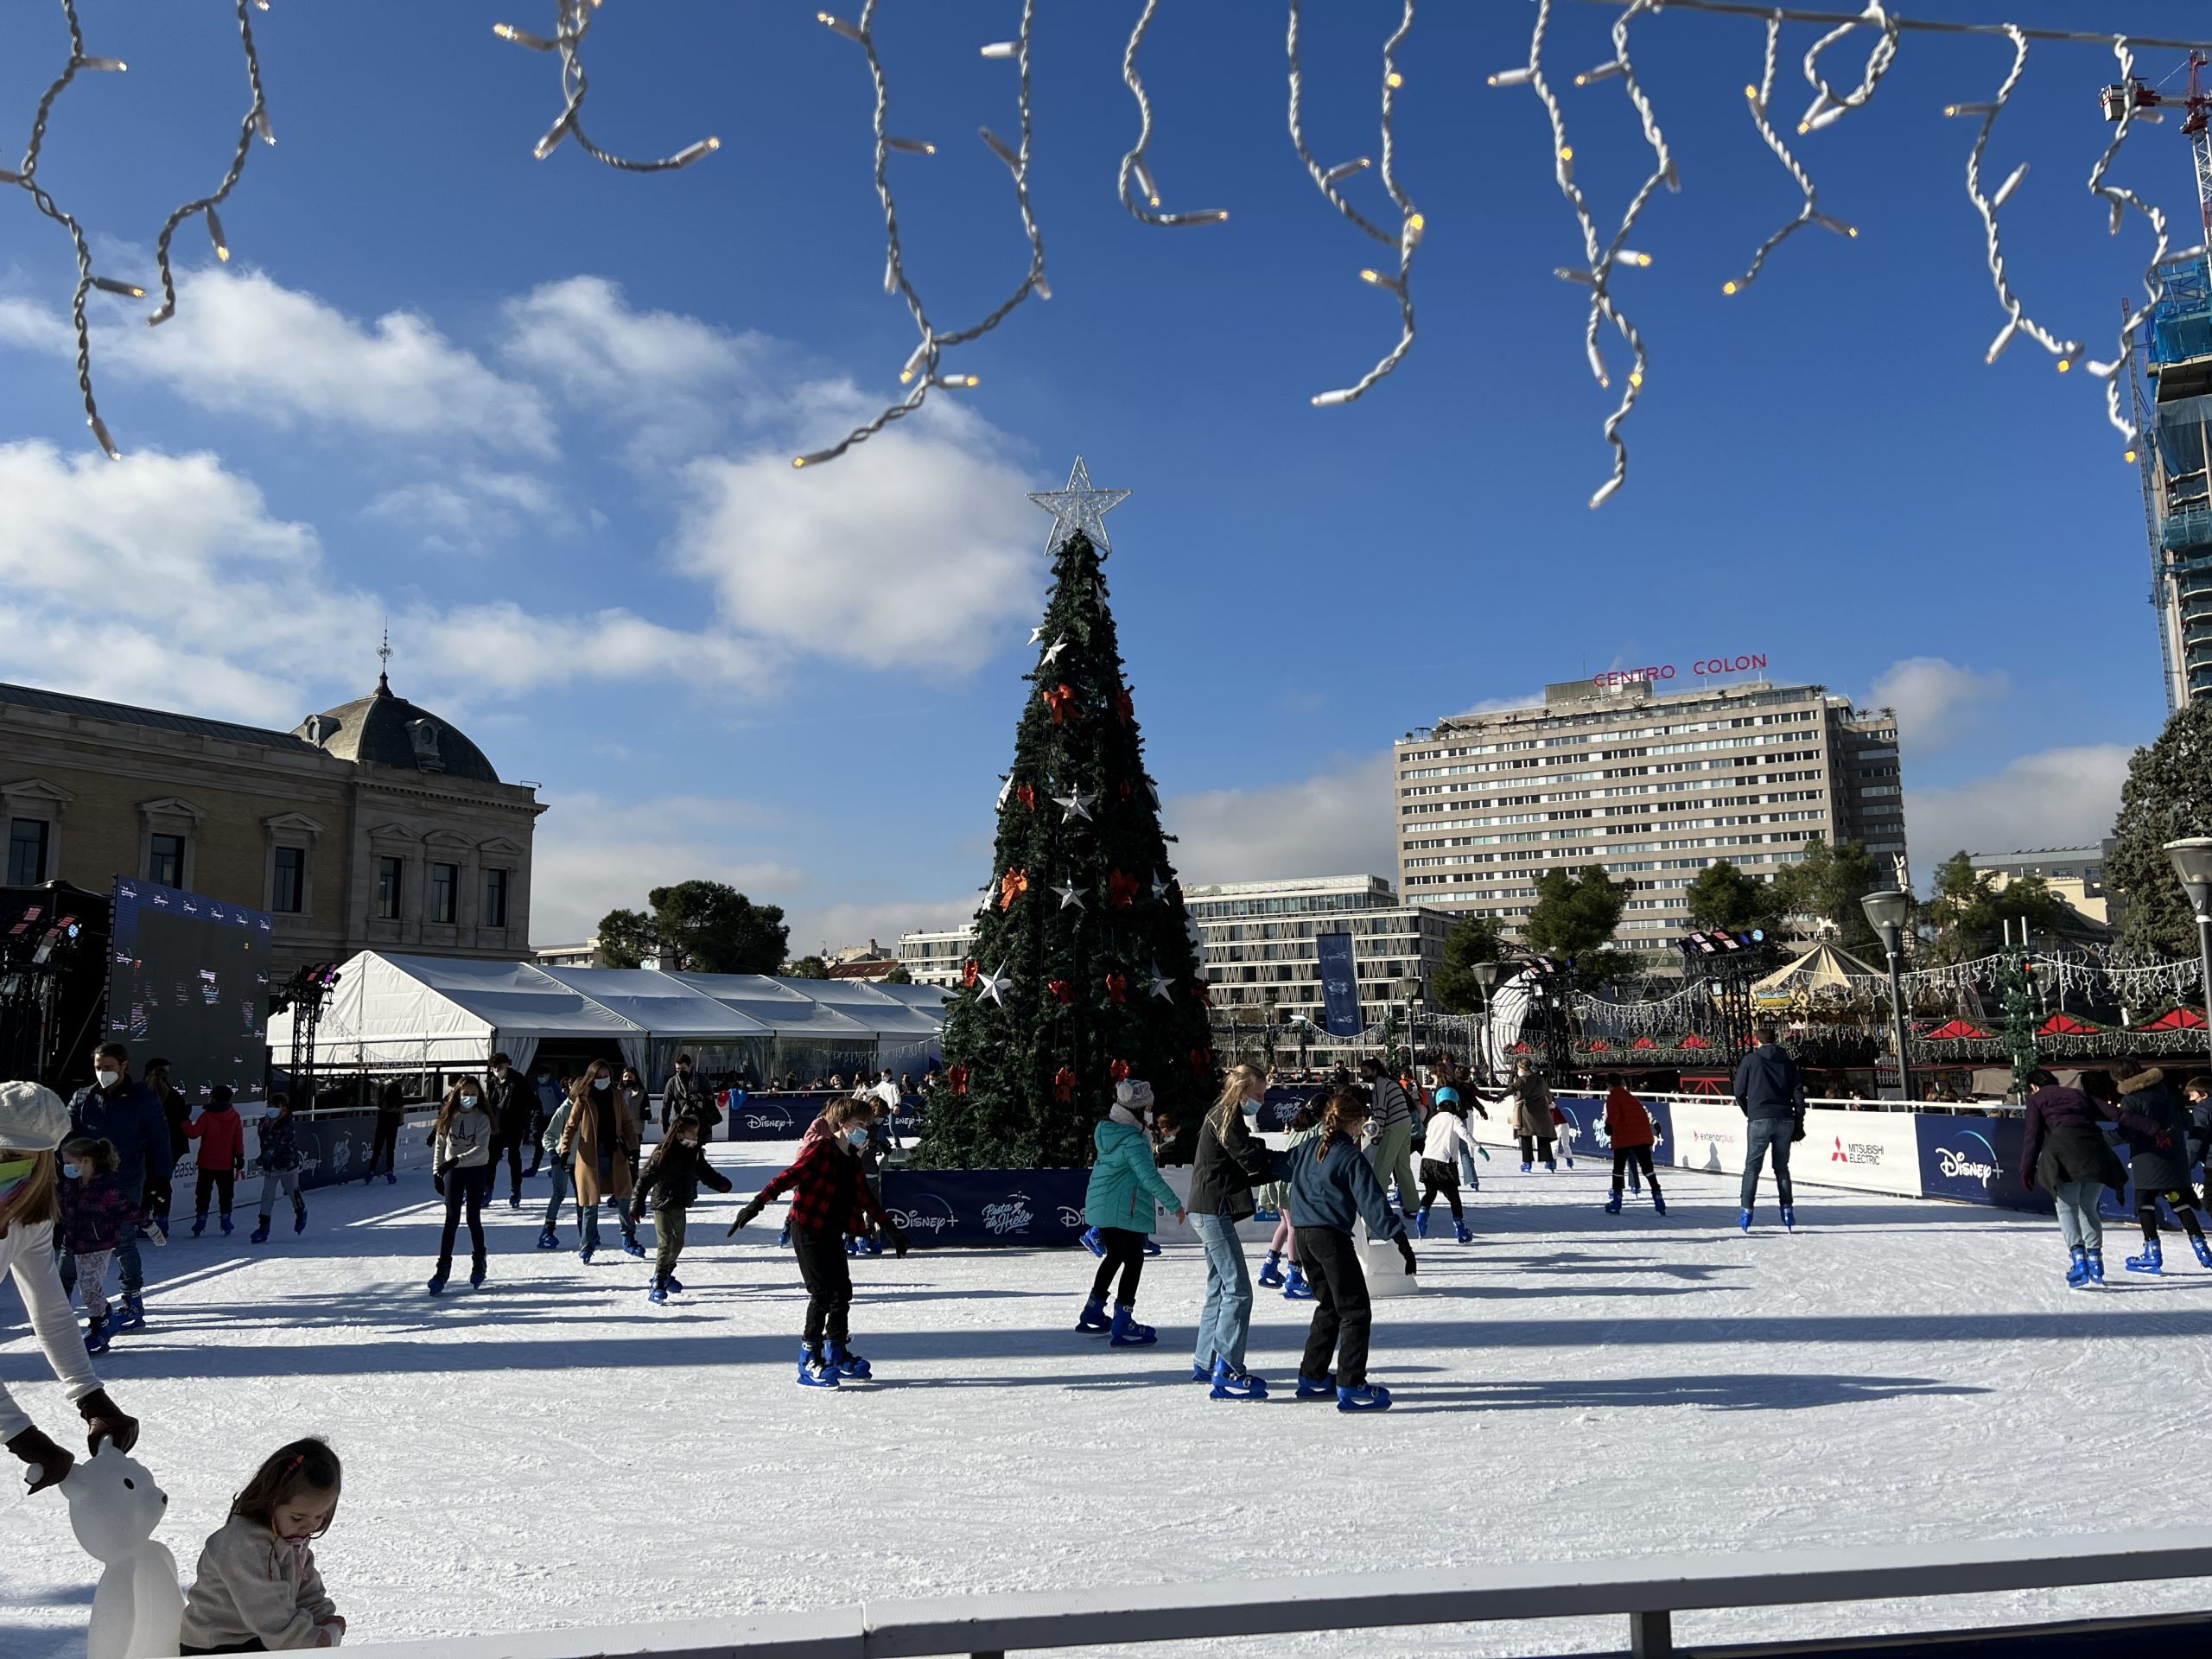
x,y
1036,634
995,987
1059,645
1079,507
1162,987
1075,803
1070,895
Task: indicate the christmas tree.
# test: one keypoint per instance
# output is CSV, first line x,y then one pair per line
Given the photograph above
x,y
1085,968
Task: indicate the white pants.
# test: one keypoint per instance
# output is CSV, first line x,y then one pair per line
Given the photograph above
x,y
275,1181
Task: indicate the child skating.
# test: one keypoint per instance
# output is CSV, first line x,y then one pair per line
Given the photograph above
x,y
94,1212
1332,1188
1443,1140
1123,1202
669,1181
279,1164
257,1589
1628,1125
221,1135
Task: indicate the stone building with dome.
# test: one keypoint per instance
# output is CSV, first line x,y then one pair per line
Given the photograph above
x,y
373,825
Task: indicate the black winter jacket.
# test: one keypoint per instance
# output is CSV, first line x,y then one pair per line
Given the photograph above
x,y
671,1178
2147,1117
1227,1168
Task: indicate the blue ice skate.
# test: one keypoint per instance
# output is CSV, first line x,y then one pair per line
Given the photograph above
x,y
1201,1373
2096,1267
1151,1245
1658,1202
1093,1318
1526,1168
199,1223
1127,1332
548,1240
133,1317
2078,1275
437,1282
849,1363
476,1277
1744,1220
1459,1231
1236,1385
1421,1223
1090,1242
631,1247
97,1330
583,1253
260,1234
1368,1396
675,1285
1271,1271
2195,1242
2151,1262
1317,1388
1789,1218
1294,1288
657,1293
227,1229
1613,1203
814,1372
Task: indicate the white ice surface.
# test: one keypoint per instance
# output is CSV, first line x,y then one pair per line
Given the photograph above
x,y
554,1449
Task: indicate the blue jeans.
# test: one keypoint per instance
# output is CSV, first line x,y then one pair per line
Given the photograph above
x,y
1225,1320
588,1217
2079,1223
1763,1135
562,1183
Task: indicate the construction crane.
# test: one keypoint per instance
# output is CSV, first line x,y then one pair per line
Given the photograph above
x,y
2195,122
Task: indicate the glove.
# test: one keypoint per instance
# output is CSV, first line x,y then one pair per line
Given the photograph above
x,y
49,1464
745,1216
106,1420
438,1183
1406,1249
898,1241
1797,1132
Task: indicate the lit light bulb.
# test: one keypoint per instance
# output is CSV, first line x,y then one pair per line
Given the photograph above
x,y
1344,170
1566,152
1383,279
691,153
1752,93
839,26
1955,109
112,66
1416,226
1635,377
1603,71
1143,176
912,146
814,459
215,235
1512,77
1330,399
1001,49
261,125
1829,223
522,37
955,382
1393,81
914,363
109,285
1631,257
2065,363
1732,287
2131,457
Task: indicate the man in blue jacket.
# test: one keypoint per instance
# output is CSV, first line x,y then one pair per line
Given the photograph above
x,y
128,1115
1771,1096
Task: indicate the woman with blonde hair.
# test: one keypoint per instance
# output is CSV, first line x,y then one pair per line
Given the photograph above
x,y
1331,1189
460,1168
1231,1160
32,1123
599,1139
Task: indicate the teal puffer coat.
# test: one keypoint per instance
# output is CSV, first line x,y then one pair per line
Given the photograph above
x,y
1125,1183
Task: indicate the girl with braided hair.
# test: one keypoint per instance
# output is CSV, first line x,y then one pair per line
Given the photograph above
x,y
1331,1188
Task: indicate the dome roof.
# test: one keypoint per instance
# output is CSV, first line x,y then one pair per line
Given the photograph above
x,y
393,732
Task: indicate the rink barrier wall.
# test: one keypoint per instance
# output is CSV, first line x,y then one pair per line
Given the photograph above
x,y
784,1114
1648,1591
334,1148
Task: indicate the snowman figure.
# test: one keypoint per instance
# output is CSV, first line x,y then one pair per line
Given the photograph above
x,y
114,1506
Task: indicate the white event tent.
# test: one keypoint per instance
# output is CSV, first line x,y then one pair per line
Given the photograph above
x,y
393,1013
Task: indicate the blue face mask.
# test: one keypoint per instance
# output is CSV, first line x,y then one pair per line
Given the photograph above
x,y
1251,1109
72,1171
858,1137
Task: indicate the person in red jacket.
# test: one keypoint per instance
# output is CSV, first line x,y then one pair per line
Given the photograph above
x,y
222,1155
1628,1125
831,1197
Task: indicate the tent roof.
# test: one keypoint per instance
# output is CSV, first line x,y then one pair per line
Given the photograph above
x,y
775,1004
1822,967
930,999
660,1002
887,1015
514,997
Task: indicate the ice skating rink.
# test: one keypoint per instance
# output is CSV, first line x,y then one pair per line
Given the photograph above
x,y
554,1450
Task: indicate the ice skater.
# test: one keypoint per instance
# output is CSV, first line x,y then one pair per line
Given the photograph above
x,y
1231,1161
461,1167
279,1164
220,1158
1122,1202
596,1145
127,1115
257,1589
384,1151
1390,1131
2155,1125
1771,1096
830,1200
1331,1189
32,1123
548,1142
2198,1092
95,1211
2065,1152
1441,1149
1535,1117
1447,1098
1629,1127
671,1182
510,1104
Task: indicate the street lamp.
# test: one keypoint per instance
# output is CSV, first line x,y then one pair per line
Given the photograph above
x,y
2192,862
1888,912
1485,974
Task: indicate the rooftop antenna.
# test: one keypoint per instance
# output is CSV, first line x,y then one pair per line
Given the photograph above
x,y
383,656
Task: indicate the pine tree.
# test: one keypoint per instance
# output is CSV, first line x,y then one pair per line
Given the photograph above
x,y
2168,796
1085,970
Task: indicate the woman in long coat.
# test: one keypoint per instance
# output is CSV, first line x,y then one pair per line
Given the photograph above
x,y
601,1139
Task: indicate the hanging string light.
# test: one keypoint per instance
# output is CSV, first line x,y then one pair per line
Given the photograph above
x,y
923,369
1411,221
1760,98
255,124
572,22
2154,287
1134,171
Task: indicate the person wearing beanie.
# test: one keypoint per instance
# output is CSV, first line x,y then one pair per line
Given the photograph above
x,y
33,1123
220,1159
1123,1202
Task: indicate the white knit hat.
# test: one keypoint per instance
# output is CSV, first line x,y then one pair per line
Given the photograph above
x,y
1133,1094
32,1118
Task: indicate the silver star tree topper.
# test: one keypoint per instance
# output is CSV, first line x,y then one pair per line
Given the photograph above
x,y
1079,507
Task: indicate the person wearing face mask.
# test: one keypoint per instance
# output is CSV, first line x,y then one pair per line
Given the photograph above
x,y
32,1123
461,1166
597,1143
221,1155
510,1104
671,1183
279,1164
830,1200
94,1212
160,1171
686,1091
1231,1161
1124,1201
128,1117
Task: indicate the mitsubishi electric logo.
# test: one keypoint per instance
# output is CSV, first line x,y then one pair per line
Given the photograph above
x,y
1857,1151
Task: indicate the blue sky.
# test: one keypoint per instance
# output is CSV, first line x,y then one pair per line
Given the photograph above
x,y
540,415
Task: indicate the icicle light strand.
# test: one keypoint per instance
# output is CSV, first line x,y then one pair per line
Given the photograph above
x,y
2121,200
2017,320
1325,180
1134,171
572,22
255,123
922,368
1761,98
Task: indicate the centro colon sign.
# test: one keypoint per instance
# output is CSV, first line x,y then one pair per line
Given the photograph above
x,y
1703,668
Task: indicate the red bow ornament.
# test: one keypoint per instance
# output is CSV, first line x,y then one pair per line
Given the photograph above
x,y
1064,1085
959,1078
1117,987
1120,1071
1012,886
967,974
1059,699
1062,989
1121,889
1124,708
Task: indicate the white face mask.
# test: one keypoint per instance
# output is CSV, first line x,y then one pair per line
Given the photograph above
x,y
599,1083
108,1079
468,1101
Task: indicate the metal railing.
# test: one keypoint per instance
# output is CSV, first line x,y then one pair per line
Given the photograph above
x,y
1647,1590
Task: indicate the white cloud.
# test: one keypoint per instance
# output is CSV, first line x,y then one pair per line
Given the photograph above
x,y
1502,705
918,548
164,579
593,854
1336,822
1935,699
2059,798
467,512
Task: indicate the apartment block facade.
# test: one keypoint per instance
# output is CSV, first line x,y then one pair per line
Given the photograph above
x,y
1262,962
1650,786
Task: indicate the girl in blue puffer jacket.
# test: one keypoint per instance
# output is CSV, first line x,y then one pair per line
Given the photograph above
x,y
1122,1203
